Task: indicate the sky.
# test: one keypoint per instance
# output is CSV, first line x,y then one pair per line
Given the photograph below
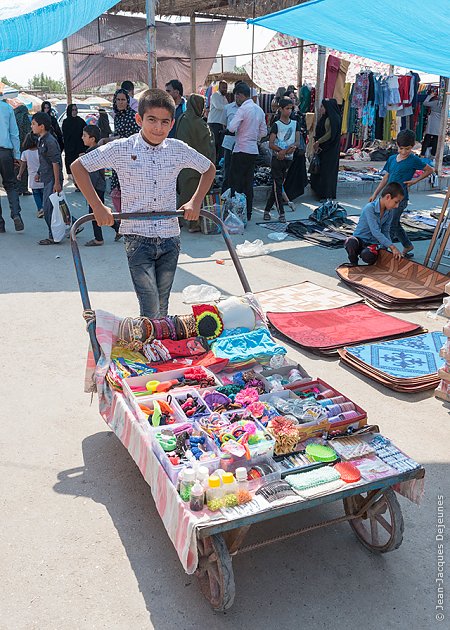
x,y
237,39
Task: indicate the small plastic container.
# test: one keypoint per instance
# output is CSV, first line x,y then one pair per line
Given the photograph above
x,y
186,484
242,492
203,476
197,499
229,487
214,494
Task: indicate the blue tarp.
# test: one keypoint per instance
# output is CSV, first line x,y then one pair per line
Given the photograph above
x,y
30,25
413,34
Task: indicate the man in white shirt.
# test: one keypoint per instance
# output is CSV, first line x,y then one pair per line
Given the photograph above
x,y
249,124
229,140
216,116
430,139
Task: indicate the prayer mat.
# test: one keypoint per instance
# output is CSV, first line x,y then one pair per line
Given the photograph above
x,y
275,226
395,283
325,331
305,296
404,365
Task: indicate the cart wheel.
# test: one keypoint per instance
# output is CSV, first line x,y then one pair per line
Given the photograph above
x,y
215,572
380,528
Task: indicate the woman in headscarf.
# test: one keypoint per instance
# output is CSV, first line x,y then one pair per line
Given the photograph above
x,y
125,125
103,124
46,107
327,143
72,129
192,129
23,123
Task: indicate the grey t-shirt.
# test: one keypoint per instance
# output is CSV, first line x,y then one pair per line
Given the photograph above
x,y
49,154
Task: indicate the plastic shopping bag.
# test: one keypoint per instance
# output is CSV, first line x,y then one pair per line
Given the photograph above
x,y
61,217
252,248
237,204
200,294
234,224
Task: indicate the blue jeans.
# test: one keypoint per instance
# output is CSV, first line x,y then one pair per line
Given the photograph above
x,y
397,231
152,263
38,195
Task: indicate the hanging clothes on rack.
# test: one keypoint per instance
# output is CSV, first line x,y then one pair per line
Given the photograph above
x,y
339,88
331,74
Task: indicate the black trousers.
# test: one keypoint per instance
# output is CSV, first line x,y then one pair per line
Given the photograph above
x,y
98,235
9,183
217,131
279,168
429,141
356,248
227,153
242,173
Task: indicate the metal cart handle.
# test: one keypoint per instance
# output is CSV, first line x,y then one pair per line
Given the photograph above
x,y
139,215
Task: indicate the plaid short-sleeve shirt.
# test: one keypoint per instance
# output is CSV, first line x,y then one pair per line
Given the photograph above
x,y
148,176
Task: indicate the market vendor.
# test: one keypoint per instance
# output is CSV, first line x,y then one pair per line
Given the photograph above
x,y
147,165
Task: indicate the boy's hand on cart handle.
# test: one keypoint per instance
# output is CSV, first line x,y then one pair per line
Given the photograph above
x,y
191,210
103,215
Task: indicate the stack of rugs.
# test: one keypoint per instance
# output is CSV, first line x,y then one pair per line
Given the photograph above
x,y
408,365
443,390
302,314
396,284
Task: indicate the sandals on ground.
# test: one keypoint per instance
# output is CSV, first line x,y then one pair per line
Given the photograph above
x,y
93,243
47,241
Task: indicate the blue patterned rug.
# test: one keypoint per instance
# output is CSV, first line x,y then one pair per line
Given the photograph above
x,y
404,358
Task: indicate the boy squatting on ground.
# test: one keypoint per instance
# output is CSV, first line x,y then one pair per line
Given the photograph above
x,y
374,227
148,164
50,167
401,168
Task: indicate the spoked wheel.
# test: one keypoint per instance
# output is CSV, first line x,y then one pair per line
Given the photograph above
x,y
380,527
215,572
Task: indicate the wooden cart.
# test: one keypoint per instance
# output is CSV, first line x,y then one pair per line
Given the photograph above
x,y
372,509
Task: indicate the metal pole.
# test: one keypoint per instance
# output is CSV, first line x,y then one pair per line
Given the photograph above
x,y
193,56
321,56
253,38
300,64
151,42
67,77
442,127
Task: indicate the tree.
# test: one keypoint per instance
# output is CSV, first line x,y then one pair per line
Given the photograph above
x,y
5,80
44,81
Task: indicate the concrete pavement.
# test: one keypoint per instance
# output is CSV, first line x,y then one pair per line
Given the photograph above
x,y
82,545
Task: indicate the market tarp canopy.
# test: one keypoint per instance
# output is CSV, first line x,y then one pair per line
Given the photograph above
x,y
114,47
30,25
407,33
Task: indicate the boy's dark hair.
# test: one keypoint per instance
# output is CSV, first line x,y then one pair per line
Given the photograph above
x,y
43,119
243,89
284,102
176,85
127,85
406,138
156,98
29,142
394,189
92,131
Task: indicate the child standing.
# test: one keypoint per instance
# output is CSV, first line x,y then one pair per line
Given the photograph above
x,y
284,139
401,168
91,136
50,167
148,164
374,227
30,159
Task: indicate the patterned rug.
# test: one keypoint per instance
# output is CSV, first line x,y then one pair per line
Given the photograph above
x,y
327,330
305,296
408,364
274,226
395,281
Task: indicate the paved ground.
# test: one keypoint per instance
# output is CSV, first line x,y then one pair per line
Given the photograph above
x,y
82,546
